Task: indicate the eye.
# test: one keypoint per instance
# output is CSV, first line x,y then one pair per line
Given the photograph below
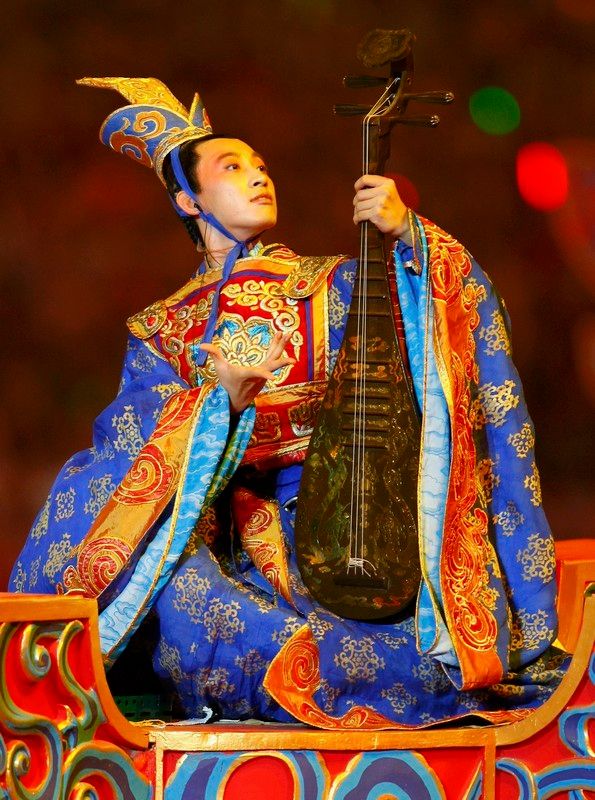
x,y
263,168
233,165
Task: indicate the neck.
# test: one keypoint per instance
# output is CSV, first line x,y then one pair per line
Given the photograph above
x,y
215,258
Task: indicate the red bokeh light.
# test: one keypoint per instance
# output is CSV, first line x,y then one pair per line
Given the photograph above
x,y
407,190
542,176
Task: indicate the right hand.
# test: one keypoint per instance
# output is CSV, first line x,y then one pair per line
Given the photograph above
x,y
244,383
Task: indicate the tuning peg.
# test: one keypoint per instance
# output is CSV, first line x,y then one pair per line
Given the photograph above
x,y
362,81
430,97
350,110
429,121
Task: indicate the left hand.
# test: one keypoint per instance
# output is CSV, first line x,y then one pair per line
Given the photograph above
x,y
377,200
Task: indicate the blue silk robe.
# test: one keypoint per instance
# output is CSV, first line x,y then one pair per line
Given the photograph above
x,y
179,510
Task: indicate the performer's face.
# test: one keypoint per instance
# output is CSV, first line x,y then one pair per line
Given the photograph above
x,y
235,187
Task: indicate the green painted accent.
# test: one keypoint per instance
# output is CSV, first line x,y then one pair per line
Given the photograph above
x,y
35,658
92,715
18,722
138,707
116,769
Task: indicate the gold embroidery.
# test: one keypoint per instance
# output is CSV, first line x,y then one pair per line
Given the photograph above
x,y
213,682
303,416
319,626
100,490
263,605
141,91
175,137
431,676
179,323
65,504
206,373
267,296
480,290
507,689
538,559
191,592
222,621
493,403
398,697
128,427
170,659
41,526
206,531
330,694
391,640
261,537
256,294
495,336
358,659
489,596
523,441
509,519
251,663
529,630
487,479
533,483
336,307
308,275
166,390
267,428
34,574
281,636
20,578
147,322
59,554
245,342
144,361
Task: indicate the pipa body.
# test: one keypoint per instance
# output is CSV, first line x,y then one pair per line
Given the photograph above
x,y
356,519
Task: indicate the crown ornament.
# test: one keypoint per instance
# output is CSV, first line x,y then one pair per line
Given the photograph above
x,y
154,123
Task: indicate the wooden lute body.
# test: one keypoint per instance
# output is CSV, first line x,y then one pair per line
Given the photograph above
x,y
356,519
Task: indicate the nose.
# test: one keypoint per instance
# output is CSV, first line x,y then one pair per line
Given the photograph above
x,y
258,177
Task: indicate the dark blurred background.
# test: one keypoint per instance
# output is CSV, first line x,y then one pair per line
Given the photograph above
x,y
89,238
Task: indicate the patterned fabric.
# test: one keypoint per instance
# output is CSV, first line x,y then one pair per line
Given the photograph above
x,y
209,536
154,122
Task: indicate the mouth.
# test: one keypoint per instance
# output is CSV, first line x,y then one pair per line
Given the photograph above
x,y
264,199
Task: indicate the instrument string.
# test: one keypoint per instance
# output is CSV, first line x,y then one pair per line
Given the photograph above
x,y
358,471
358,500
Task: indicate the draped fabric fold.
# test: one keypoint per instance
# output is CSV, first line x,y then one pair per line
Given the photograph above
x,y
478,482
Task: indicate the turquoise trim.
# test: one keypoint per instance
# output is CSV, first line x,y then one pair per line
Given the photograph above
x,y
418,320
210,465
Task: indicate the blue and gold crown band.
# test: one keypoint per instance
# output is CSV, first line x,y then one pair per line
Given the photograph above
x,y
154,124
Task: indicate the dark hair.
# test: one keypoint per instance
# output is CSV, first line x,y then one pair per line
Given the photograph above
x,y
189,158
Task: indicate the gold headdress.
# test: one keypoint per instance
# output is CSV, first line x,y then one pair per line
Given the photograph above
x,y
154,124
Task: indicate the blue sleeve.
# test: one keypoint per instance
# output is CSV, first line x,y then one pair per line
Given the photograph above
x,y
89,477
339,300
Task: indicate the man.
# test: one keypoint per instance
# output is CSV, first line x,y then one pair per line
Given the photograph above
x,y
184,506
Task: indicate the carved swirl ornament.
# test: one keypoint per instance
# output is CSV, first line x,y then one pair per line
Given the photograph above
x,y
53,753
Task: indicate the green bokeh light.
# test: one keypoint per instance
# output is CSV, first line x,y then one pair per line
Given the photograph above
x,y
494,110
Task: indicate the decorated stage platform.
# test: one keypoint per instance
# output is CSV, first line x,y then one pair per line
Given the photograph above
x,y
63,736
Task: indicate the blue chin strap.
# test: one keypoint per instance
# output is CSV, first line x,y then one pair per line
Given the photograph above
x,y
240,250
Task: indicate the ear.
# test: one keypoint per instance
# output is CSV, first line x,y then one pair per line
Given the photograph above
x,y
187,204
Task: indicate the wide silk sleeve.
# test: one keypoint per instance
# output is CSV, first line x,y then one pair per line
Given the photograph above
x,y
90,477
